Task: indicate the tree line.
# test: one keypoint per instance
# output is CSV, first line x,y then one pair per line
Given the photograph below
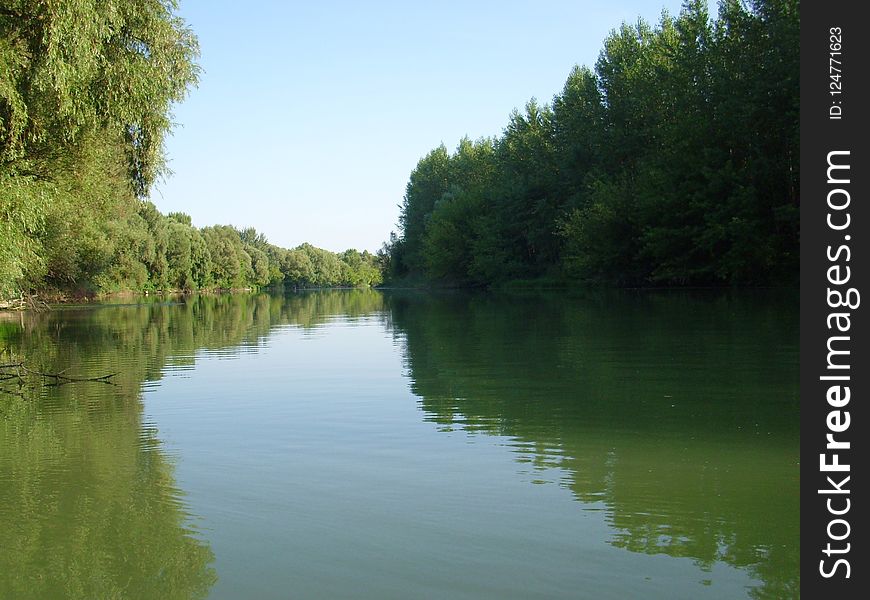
x,y
673,162
85,96
149,250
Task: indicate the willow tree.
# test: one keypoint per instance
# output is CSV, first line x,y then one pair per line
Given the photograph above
x,y
74,75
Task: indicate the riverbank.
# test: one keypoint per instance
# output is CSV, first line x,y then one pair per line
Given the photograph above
x,y
45,300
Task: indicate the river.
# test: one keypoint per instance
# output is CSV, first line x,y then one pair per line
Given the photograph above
x,y
372,444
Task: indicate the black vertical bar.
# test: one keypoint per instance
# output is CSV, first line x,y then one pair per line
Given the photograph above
x,y
835,222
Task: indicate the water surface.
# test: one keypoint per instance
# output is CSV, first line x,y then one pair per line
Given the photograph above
x,y
368,445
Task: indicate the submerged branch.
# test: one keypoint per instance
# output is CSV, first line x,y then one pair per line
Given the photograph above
x,y
59,377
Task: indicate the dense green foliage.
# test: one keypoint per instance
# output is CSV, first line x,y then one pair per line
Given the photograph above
x,y
85,95
148,250
674,162
85,92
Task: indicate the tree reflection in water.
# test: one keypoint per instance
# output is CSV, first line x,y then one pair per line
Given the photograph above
x,y
676,413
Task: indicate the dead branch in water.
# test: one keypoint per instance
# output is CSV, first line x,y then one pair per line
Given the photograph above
x,y
59,377
63,377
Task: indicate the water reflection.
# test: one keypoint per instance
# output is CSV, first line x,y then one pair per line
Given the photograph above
x,y
678,412
88,508
675,415
88,503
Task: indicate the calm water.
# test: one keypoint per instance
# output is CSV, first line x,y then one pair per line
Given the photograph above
x,y
367,445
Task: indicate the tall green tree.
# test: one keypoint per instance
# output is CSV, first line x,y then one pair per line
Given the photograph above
x,y
454,228
85,95
428,182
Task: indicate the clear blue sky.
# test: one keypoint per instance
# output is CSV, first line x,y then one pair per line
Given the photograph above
x,y
309,117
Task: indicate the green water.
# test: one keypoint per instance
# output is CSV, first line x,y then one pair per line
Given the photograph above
x,y
354,444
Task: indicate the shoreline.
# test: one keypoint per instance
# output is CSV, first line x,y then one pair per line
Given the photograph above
x,y
46,300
